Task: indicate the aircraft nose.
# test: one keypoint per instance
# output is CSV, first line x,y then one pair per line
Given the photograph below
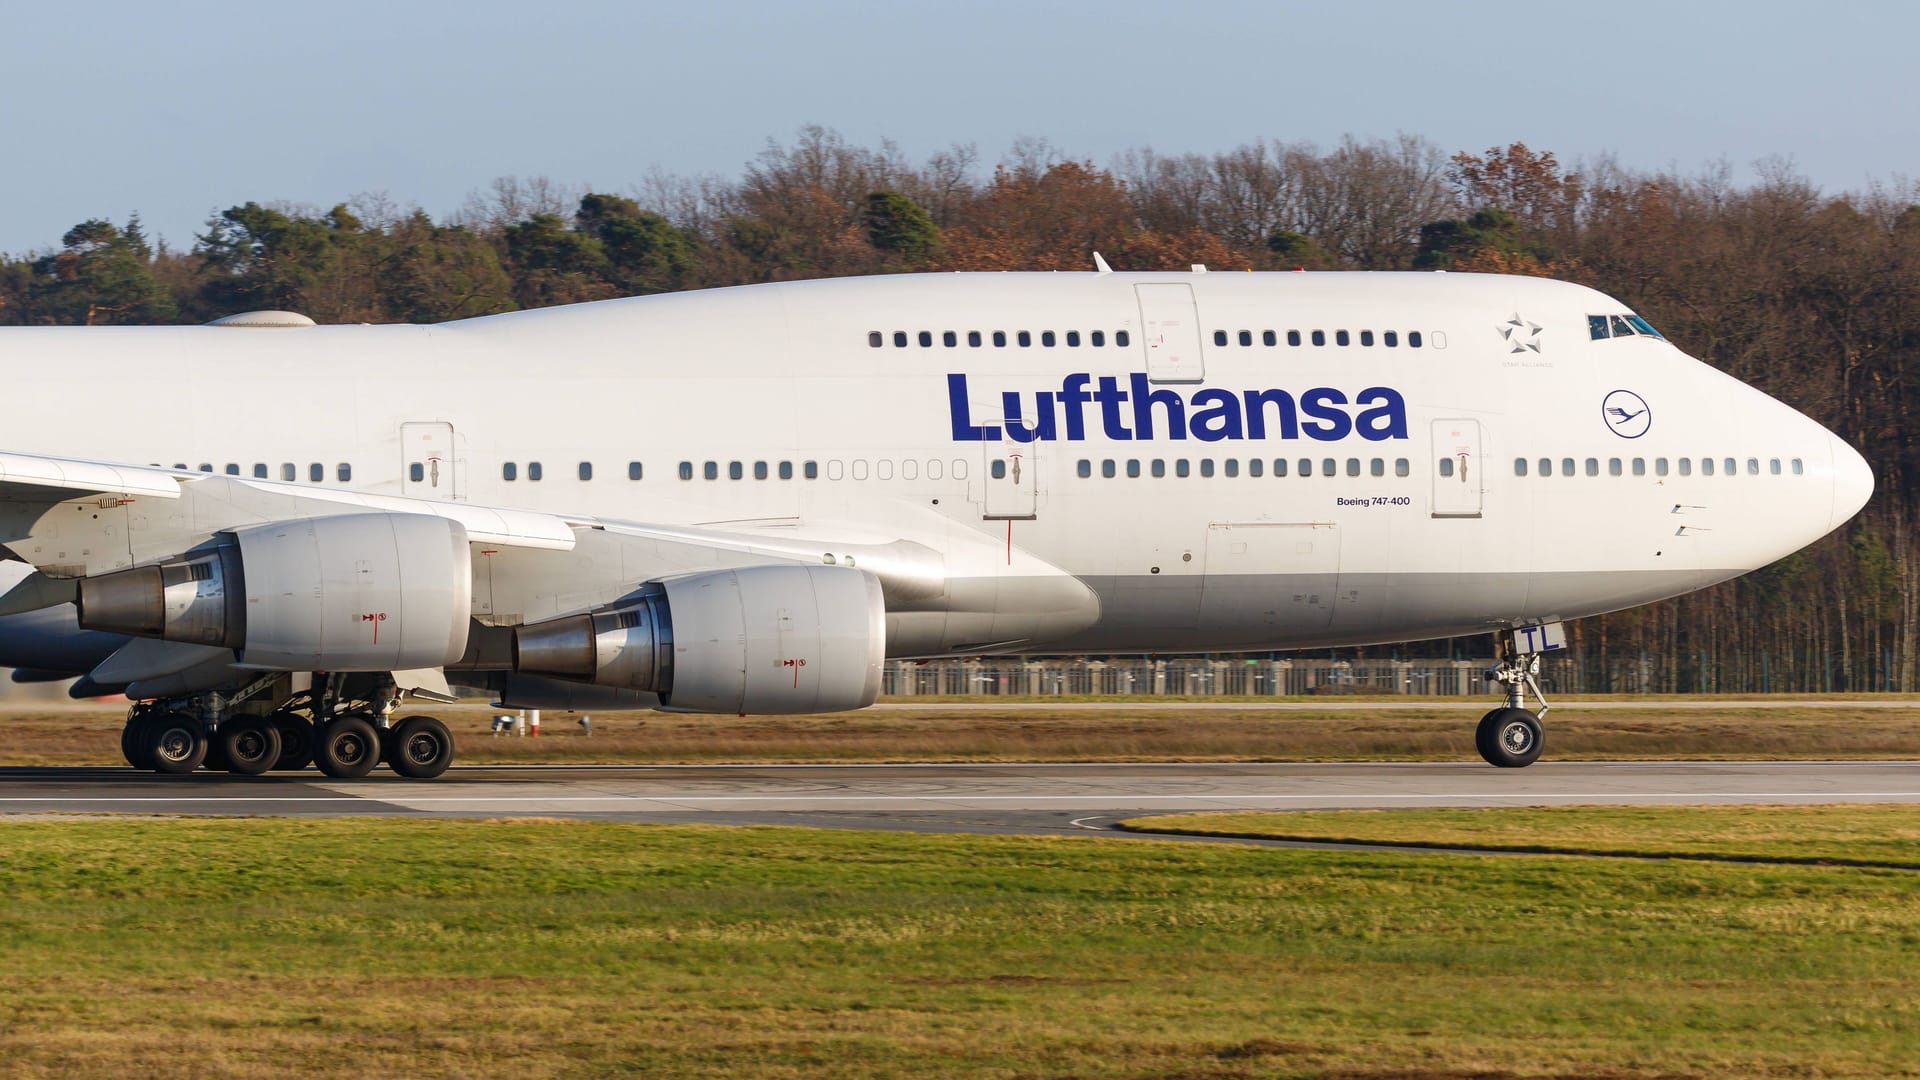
x,y
1852,482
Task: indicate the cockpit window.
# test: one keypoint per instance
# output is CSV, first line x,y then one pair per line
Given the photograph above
x,y
1602,327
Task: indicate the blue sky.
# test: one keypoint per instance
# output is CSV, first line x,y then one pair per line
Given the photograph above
x,y
178,110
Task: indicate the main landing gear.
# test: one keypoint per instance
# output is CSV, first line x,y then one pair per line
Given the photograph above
x,y
342,723
1511,737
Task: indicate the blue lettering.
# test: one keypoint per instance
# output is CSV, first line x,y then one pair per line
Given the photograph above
x,y
1333,424
1387,420
1145,398
1209,414
1257,402
1220,416
964,429
1042,429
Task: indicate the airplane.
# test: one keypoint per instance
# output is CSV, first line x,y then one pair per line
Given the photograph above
x,y
269,533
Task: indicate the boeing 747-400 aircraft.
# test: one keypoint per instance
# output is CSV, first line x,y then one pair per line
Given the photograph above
x,y
268,533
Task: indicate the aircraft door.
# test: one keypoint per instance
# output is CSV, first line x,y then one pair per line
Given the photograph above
x,y
427,462
1011,479
1170,332
1458,473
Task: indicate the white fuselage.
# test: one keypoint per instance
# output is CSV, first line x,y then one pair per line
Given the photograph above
x,y
1249,519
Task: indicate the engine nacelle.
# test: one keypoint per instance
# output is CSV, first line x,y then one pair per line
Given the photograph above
x,y
356,592
757,639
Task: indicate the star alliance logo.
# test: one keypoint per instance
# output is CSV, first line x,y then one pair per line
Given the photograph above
x,y
1626,414
1524,336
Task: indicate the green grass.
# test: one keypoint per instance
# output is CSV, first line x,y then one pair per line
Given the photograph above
x,y
396,947
1885,836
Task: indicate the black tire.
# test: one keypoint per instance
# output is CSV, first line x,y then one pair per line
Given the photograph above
x,y
347,748
420,748
175,743
1510,738
250,745
132,740
296,743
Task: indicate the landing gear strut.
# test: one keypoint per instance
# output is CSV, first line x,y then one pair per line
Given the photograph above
x,y
1511,737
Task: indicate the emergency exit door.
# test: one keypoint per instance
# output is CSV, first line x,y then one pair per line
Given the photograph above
x,y
1012,484
1458,478
1170,332
427,461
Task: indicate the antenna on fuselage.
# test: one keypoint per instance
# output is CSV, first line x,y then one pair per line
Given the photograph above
x,y
1100,264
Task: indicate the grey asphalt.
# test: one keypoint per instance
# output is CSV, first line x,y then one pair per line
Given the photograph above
x,y
1032,799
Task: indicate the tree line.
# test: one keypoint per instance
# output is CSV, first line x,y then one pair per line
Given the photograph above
x,y
1812,297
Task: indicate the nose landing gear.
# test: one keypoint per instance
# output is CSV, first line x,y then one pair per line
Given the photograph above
x,y
1511,737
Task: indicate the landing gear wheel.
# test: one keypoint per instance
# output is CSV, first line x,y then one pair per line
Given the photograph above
x,y
249,745
133,739
1509,738
296,743
174,743
347,748
420,748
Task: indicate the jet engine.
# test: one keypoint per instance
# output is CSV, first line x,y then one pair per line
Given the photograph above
x,y
354,592
757,639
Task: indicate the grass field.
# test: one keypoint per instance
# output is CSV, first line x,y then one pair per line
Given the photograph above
x,y
245,948
1120,731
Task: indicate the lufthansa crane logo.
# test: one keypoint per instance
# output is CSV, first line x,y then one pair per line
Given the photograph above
x,y
1626,414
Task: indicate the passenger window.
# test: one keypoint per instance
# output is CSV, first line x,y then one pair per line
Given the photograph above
x,y
1255,466
1798,468
586,470
1306,467
1706,466
926,339
1279,466
1097,339
949,339
1402,467
1341,338
1106,468
759,470
899,339
1566,466
509,472
1159,466
1085,469
875,339
1180,467
1219,337
1773,466
416,472
1246,337
1391,339
1597,327
1753,466
289,474
345,472
999,339
316,472
711,470
1546,466
1639,466
811,470
973,339
1446,466
1073,339
1133,468
1293,337
1686,466
1413,339
1268,337
1366,337
533,470
1326,467
1046,339
233,468
1378,467
1206,466
1353,466
1519,466
1319,337
686,470
1659,466
634,472
1593,466
1732,467
259,470
1121,338
1026,339
1614,467
786,470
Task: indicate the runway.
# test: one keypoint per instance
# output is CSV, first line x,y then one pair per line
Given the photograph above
x,y
1030,799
